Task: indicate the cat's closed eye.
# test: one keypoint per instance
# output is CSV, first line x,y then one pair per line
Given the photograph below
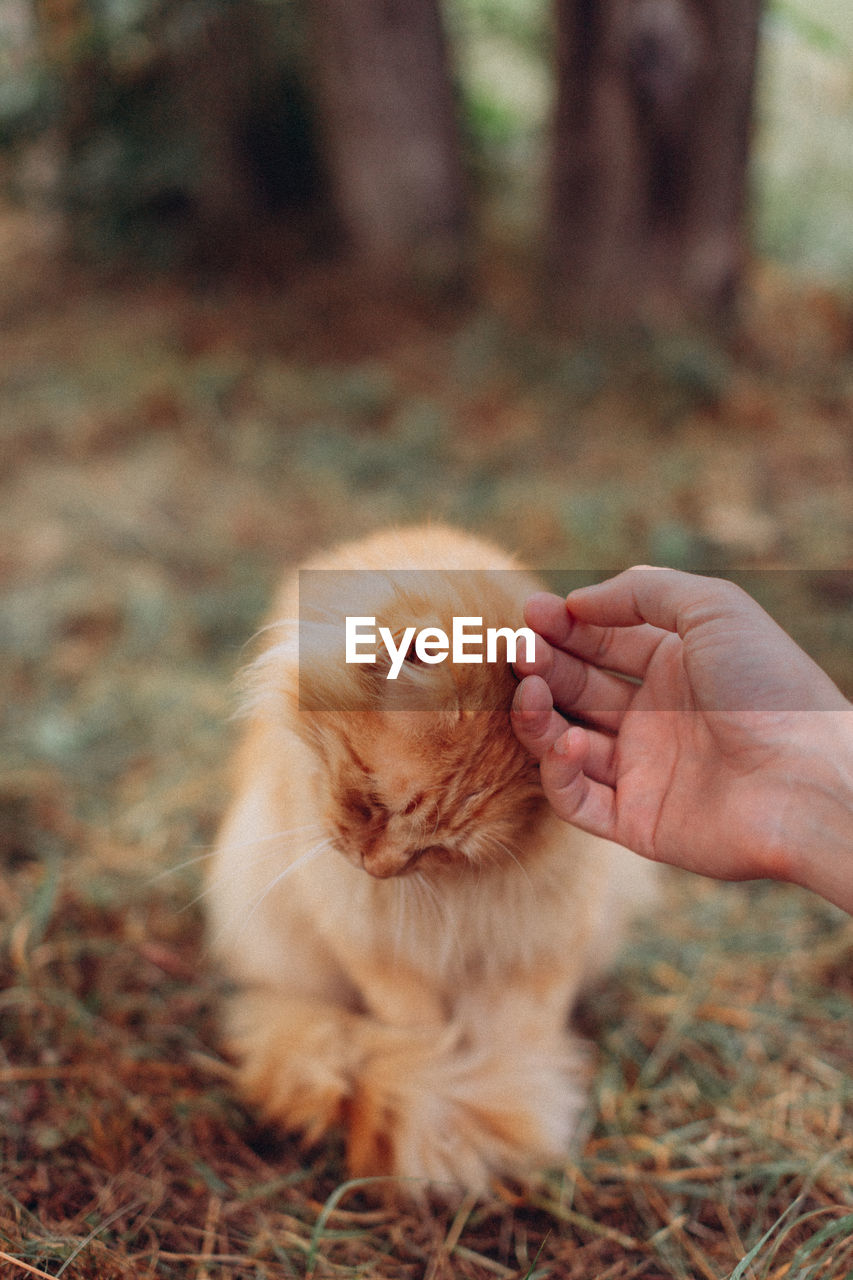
x,y
386,661
362,806
412,657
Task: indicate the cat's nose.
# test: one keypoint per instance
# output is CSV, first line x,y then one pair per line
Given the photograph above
x,y
383,858
383,862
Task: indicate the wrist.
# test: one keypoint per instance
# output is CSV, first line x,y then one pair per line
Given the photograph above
x,y
820,849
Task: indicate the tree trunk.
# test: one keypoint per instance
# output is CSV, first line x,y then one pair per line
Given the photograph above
x,y
151,158
651,142
213,73
391,147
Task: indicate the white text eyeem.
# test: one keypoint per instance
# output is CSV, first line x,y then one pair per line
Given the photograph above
x,y
432,644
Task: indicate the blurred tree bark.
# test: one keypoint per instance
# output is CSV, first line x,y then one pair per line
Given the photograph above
x,y
391,146
649,171
213,74
150,151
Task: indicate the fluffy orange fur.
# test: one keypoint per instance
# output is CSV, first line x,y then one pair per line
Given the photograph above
x,y
407,922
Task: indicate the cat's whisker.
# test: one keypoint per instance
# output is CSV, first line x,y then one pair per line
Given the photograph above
x,y
226,877
204,857
282,834
400,906
332,618
236,846
259,900
222,878
446,923
498,844
421,903
271,626
181,866
237,873
307,856
277,625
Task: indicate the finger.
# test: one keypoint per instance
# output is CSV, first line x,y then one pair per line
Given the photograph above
x,y
582,691
577,688
546,614
543,657
585,693
573,795
538,726
599,762
771,671
666,598
627,651
535,722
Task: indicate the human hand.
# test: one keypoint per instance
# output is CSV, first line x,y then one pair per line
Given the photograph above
x,y
727,750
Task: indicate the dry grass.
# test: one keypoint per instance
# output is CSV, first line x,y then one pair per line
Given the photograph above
x,y
723,1103
163,455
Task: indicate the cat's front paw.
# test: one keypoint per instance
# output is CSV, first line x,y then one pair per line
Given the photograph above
x,y
297,1093
466,1116
302,1063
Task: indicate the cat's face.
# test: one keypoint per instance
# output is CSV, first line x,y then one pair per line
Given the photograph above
x,y
424,771
407,790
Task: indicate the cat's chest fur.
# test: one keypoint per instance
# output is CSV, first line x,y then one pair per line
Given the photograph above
x,y
460,926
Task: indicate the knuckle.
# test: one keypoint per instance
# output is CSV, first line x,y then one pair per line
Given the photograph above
x,y
575,680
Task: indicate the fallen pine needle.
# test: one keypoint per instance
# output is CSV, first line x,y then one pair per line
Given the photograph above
x,y
580,1220
25,1266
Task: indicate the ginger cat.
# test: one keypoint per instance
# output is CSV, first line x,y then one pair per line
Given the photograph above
x,y
407,922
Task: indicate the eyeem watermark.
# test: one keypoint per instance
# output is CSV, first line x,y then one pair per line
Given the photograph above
x,y
361,632
409,639
432,644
